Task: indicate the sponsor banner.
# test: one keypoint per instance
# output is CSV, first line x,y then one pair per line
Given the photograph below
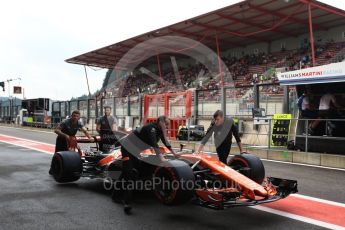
x,y
334,72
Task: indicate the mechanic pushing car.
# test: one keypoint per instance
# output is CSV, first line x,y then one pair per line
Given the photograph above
x,y
66,131
222,128
106,126
140,139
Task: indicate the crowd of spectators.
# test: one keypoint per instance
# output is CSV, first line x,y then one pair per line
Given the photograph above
x,y
244,71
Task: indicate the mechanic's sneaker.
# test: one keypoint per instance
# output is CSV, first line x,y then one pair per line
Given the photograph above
x,y
127,209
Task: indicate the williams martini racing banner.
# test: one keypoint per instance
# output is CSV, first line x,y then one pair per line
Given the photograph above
x,y
334,72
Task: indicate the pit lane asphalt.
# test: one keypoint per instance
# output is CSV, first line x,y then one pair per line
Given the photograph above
x,y
30,199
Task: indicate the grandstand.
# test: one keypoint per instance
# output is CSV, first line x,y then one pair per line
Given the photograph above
x,y
264,35
254,39
242,69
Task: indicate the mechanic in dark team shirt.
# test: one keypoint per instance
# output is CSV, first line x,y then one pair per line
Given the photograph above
x,y
106,126
66,130
132,145
222,128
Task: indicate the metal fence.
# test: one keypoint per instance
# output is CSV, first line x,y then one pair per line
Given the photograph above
x,y
9,109
238,102
254,131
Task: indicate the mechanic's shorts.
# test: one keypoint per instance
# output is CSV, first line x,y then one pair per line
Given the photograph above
x,y
309,114
61,144
325,113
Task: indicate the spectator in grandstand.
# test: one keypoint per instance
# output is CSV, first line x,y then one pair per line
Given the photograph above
x,y
305,59
106,126
66,131
319,50
222,128
255,79
262,78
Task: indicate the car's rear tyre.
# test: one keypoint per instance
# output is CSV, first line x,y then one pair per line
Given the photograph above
x,y
66,166
174,182
249,165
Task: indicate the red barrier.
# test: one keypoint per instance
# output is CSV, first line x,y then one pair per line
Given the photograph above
x,y
165,101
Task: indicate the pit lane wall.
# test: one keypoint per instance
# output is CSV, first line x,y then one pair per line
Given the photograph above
x,y
257,140
283,155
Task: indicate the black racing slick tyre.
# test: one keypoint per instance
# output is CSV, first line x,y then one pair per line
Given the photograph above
x,y
174,182
66,166
249,165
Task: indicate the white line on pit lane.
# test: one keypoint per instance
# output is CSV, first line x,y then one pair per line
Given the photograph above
x,y
24,139
27,129
297,217
28,147
319,200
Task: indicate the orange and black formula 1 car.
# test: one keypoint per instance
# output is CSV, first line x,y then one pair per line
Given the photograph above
x,y
201,178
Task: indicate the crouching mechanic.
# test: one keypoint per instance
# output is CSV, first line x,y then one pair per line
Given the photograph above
x,y
222,128
131,146
67,130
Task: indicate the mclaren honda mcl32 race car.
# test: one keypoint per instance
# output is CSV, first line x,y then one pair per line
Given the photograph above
x,y
214,185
